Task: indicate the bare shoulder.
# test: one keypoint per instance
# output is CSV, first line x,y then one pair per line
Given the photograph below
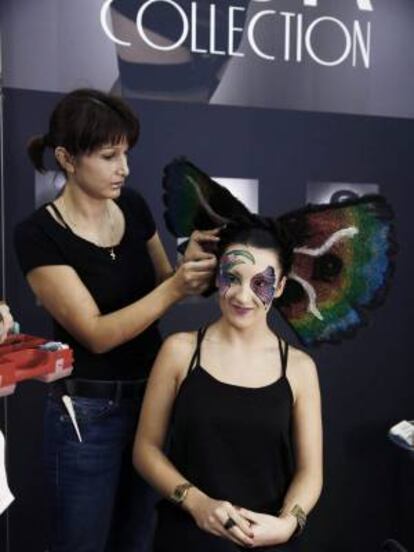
x,y
301,368
180,343
299,360
177,351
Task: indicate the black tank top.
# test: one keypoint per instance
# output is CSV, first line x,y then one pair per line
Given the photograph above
x,y
234,442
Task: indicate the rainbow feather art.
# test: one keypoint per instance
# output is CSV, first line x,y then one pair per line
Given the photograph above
x,y
343,254
194,201
342,267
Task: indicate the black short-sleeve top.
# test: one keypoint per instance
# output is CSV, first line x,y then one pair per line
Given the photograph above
x,y
41,241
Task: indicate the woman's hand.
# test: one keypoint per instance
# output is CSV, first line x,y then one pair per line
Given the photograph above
x,y
195,274
211,516
202,244
6,321
269,530
193,277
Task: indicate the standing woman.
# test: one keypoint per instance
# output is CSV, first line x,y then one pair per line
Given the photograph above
x,y
95,262
245,463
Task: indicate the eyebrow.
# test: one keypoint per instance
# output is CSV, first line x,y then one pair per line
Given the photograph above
x,y
240,253
235,272
232,270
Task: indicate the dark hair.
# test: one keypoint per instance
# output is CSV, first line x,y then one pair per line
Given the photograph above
x,y
83,121
261,232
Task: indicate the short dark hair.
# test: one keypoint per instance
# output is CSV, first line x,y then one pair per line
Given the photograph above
x,y
264,233
83,121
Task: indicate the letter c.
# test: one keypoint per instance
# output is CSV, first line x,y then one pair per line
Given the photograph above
x,y
104,22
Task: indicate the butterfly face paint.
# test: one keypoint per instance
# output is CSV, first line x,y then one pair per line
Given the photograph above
x,y
263,285
227,263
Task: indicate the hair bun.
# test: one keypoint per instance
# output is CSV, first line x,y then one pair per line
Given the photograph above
x,y
35,149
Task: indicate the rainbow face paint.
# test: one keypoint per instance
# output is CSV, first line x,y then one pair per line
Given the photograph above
x,y
232,258
263,285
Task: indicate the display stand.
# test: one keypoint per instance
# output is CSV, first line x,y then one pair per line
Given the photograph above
x,y
404,503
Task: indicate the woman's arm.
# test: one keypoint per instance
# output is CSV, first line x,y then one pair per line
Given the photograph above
x,y
148,457
6,321
65,297
162,387
306,484
162,265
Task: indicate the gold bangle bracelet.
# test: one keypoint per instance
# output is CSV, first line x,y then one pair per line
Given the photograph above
x,y
300,516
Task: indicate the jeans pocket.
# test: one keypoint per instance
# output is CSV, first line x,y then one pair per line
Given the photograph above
x,y
86,409
90,410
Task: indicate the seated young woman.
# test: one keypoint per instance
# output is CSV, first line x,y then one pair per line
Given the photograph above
x,y
242,408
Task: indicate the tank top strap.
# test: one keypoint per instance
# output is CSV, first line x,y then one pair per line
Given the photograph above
x,y
283,350
195,359
59,215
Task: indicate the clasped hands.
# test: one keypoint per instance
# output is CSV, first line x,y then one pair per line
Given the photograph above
x,y
194,275
246,528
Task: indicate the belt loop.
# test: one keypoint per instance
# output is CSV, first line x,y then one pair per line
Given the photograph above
x,y
118,391
58,389
68,386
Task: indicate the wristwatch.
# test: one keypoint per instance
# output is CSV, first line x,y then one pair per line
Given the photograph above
x,y
180,492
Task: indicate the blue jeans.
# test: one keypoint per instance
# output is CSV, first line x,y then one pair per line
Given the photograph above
x,y
98,502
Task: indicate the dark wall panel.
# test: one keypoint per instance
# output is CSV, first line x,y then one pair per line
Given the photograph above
x,y
366,382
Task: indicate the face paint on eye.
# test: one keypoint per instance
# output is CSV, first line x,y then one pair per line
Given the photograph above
x,y
264,286
228,261
225,280
234,253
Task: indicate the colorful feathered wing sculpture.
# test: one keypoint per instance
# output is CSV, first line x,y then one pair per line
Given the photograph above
x,y
194,201
343,253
